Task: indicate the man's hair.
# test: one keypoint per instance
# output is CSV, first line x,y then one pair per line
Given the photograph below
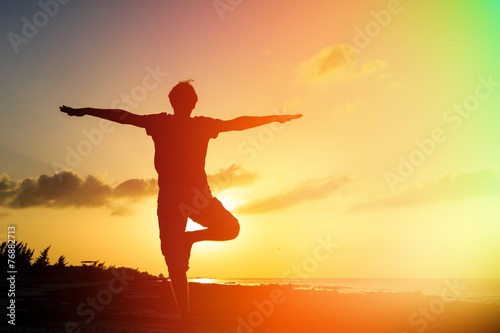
x,y
183,92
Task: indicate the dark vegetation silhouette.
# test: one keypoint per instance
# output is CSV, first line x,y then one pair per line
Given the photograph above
x,y
29,266
48,294
43,258
24,255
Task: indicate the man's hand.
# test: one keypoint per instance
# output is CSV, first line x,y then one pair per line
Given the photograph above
x,y
287,117
72,112
246,122
116,115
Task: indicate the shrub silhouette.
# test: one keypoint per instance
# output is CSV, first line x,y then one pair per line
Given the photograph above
x,y
61,262
23,258
43,259
60,269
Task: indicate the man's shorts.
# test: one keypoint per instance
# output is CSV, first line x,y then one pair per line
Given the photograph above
x,y
177,203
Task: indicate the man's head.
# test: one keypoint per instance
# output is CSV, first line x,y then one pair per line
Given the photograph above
x,y
183,98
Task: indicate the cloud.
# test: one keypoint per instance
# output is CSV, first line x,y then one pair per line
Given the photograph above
x,y
373,66
312,189
335,63
482,184
68,189
234,176
136,188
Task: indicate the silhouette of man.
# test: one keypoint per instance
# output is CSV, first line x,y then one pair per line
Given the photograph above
x,y
181,143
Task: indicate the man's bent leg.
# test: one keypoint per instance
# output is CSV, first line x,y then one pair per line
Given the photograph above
x,y
212,234
220,225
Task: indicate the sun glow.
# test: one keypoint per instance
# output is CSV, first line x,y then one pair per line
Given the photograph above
x,y
229,200
193,226
203,280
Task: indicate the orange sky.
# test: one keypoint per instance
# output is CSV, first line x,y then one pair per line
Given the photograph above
x,y
393,165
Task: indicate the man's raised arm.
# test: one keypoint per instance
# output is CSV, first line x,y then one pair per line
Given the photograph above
x,y
116,115
246,122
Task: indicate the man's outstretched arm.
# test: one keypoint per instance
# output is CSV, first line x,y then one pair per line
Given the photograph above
x,y
116,115
246,122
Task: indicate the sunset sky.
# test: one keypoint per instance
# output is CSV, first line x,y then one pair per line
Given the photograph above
x,y
393,171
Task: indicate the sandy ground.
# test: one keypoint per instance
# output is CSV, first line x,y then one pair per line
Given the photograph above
x,y
108,306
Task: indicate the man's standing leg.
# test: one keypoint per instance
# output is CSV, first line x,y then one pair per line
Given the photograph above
x,y
178,279
172,229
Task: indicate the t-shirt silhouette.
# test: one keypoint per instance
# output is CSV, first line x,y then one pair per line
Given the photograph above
x,y
181,147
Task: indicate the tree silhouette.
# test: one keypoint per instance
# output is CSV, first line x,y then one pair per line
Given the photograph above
x,y
61,262
22,258
23,255
43,259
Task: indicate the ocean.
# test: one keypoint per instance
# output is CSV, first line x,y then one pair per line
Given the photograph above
x,y
485,291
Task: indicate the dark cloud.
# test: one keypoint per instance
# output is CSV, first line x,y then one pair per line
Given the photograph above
x,y
309,190
465,186
68,189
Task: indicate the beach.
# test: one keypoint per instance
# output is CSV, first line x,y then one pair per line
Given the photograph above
x,y
123,304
